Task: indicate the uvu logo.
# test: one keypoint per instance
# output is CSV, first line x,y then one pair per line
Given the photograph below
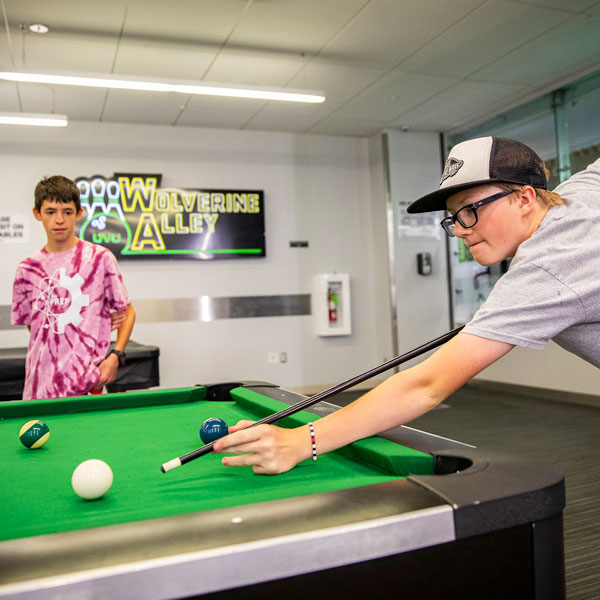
x,y
106,238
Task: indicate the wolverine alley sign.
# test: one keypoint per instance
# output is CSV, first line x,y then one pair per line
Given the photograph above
x,y
136,218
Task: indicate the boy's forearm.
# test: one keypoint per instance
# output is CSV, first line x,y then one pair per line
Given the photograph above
x,y
411,393
394,402
124,331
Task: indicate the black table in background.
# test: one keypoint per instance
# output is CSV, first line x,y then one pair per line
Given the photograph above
x,y
139,372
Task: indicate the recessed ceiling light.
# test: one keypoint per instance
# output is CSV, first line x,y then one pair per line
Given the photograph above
x,y
38,28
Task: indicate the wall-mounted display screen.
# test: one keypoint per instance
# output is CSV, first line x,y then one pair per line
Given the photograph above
x,y
133,216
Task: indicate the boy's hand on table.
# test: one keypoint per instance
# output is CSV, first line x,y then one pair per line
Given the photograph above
x,y
269,450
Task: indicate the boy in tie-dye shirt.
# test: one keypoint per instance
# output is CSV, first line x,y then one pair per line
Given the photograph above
x,y
65,294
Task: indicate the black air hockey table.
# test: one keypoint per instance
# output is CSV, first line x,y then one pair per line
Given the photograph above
x,y
139,372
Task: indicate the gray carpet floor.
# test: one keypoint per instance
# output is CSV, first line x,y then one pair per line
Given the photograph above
x,y
566,436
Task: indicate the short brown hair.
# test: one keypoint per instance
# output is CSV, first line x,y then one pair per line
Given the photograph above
x,y
546,198
58,188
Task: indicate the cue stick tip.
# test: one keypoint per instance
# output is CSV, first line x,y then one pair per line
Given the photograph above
x,y
172,464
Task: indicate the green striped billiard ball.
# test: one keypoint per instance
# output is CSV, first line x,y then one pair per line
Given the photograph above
x,y
34,434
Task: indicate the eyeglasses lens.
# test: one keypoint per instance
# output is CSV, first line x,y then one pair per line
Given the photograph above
x,y
466,216
448,226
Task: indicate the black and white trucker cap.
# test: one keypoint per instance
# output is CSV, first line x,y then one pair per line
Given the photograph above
x,y
481,161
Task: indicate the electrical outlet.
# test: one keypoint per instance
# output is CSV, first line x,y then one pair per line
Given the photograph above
x,y
283,357
273,357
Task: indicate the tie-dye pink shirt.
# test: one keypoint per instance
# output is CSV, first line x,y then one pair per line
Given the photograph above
x,y
66,299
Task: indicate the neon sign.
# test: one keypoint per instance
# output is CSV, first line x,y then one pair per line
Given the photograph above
x,y
135,218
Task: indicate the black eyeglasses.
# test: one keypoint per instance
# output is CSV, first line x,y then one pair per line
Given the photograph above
x,y
467,215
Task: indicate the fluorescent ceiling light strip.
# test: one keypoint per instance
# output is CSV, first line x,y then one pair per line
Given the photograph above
x,y
209,89
41,120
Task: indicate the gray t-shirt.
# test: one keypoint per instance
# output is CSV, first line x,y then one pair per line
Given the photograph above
x,y
552,289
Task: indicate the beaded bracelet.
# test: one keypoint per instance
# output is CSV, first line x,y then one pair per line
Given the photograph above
x,y
313,441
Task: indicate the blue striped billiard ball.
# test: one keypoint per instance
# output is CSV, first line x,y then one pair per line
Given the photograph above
x,y
213,429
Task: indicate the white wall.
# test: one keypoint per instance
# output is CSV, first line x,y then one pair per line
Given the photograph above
x,y
317,188
551,368
422,301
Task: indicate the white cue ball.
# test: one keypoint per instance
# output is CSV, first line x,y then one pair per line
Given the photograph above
x,y
92,479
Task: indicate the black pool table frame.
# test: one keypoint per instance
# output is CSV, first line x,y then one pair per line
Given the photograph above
x,y
483,526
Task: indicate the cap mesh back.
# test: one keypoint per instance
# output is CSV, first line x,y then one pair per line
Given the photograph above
x,y
515,162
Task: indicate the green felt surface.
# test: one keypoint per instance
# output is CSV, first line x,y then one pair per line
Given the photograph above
x,y
135,433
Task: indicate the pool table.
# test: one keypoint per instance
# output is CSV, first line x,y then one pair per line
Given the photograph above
x,y
403,513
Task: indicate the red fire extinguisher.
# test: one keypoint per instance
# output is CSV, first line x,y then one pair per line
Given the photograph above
x,y
332,301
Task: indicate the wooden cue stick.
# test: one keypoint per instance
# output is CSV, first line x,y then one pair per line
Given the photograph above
x,y
294,408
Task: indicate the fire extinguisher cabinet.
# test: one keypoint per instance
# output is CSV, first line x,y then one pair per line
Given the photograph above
x,y
331,304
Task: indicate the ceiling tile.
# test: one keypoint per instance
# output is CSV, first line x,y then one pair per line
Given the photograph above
x,y
83,104
210,111
570,47
573,6
285,116
162,60
337,82
253,69
9,99
292,26
388,31
393,95
60,52
206,22
482,37
461,104
123,106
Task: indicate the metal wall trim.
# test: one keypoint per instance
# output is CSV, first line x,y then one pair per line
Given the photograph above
x,y
391,238
5,317
207,308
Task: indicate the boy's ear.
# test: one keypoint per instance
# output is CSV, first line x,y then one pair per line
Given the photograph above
x,y
528,198
36,214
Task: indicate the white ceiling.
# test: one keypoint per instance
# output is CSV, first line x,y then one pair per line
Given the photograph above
x,y
433,65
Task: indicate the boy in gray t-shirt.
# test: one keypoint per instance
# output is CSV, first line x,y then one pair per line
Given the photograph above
x,y
496,192
552,288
